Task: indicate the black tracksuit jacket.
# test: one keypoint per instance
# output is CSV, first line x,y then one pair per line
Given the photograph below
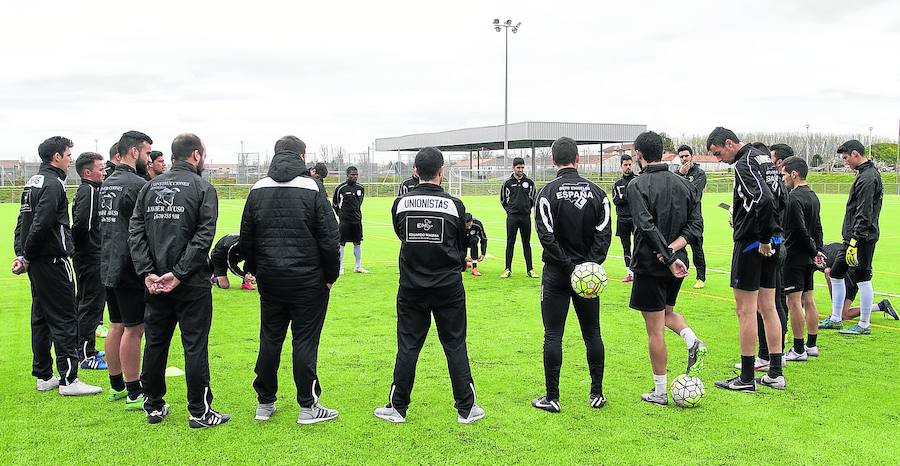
x,y
173,226
755,214
86,221
42,228
517,196
118,196
431,226
573,221
620,199
407,184
663,206
347,202
802,226
864,205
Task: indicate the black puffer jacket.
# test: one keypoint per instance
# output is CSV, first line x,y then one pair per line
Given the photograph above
x,y
288,232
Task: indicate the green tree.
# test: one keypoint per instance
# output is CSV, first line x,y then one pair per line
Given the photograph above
x,y
885,151
668,145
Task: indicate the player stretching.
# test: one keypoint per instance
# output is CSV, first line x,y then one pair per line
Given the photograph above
x,y
227,255
697,178
850,312
666,212
517,198
803,242
348,199
860,233
624,225
572,222
431,226
475,235
753,260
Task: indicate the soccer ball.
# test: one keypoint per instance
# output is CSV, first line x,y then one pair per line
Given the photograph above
x,y
588,280
687,391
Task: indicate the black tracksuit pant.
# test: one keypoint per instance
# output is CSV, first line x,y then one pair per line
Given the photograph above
x,y
91,298
624,230
522,225
556,293
780,308
414,310
304,309
699,259
53,321
191,308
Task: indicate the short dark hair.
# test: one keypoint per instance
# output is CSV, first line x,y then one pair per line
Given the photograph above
x,y
428,161
132,139
564,150
155,154
184,145
52,146
650,145
761,146
518,161
684,147
321,170
351,168
623,158
85,160
782,151
114,150
850,146
796,164
469,215
718,136
290,144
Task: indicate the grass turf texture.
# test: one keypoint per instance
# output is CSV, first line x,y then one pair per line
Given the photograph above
x,y
844,400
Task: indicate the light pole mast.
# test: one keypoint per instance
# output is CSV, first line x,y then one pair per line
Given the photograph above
x,y
807,143
870,141
506,26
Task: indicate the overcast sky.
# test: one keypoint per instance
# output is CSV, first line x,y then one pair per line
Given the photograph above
x,y
348,72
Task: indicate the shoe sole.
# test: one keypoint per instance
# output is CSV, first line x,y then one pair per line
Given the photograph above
x,y
655,402
316,420
746,390
771,385
392,419
200,425
549,409
81,394
266,418
469,420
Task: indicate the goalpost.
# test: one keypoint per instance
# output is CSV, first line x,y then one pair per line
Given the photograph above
x,y
475,181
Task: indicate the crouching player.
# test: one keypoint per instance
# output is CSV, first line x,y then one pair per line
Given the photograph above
x,y
475,236
226,255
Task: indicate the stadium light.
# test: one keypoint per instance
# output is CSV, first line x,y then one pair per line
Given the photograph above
x,y
807,143
498,26
870,140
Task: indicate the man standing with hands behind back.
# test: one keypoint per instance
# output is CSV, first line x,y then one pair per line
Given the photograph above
x,y
697,178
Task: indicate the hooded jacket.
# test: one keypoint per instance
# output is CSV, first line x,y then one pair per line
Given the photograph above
x,y
289,235
864,205
42,229
173,226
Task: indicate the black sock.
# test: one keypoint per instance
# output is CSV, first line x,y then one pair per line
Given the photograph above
x,y
117,382
134,389
811,340
747,368
775,365
798,346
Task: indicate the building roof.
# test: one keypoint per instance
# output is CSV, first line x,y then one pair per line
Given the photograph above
x,y
522,135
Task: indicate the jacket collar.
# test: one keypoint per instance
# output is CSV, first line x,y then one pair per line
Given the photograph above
x,y
865,166
569,171
182,165
90,182
59,173
656,167
513,176
124,168
428,187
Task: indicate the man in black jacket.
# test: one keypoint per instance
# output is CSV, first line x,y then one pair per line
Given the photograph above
x,y
477,239
803,244
124,288
91,295
289,238
666,212
517,199
431,227
157,165
753,262
860,233
697,178
114,159
172,229
407,185
573,224
43,244
227,255
347,203
624,225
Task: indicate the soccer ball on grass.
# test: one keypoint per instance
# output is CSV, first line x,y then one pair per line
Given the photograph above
x,y
687,391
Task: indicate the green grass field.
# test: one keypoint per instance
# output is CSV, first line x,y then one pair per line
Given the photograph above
x,y
840,408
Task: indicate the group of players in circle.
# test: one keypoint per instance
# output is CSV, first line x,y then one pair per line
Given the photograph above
x,y
141,236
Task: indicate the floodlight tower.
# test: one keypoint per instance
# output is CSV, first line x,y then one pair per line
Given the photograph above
x,y
506,26
807,143
870,141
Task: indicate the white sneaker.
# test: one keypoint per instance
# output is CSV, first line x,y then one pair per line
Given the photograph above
x,y
79,388
777,383
760,365
795,356
476,413
388,413
46,385
341,271
360,270
812,351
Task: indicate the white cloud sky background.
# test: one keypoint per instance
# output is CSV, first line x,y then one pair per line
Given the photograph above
x,y
348,72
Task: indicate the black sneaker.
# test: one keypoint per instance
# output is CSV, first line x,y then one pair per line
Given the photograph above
x,y
210,419
888,309
157,416
696,355
551,406
736,384
598,401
